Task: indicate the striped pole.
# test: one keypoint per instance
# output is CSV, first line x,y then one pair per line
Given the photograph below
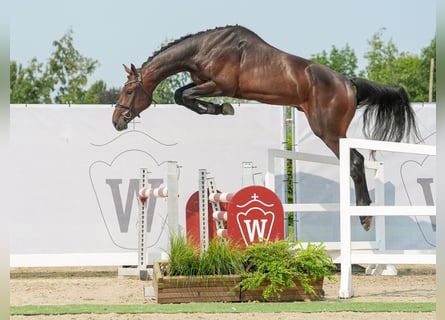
x,y
221,197
145,193
220,215
222,233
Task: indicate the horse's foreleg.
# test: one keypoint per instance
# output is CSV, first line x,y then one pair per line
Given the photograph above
x,y
362,197
178,93
187,96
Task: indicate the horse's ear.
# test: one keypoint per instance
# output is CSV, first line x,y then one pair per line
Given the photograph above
x,y
133,69
127,69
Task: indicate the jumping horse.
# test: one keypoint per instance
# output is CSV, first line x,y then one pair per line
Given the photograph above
x,y
233,61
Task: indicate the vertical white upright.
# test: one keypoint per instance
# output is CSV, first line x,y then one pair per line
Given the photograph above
x,y
173,195
269,180
247,179
346,290
142,266
380,221
203,210
380,201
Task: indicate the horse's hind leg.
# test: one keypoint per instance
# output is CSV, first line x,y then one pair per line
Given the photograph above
x,y
357,168
357,172
187,96
330,109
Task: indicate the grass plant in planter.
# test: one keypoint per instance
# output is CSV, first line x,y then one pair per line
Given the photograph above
x,y
189,276
219,258
285,271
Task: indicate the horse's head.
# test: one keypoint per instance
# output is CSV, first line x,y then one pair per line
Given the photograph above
x,y
134,99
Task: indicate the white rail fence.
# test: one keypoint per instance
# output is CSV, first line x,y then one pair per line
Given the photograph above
x,y
349,252
349,256
332,247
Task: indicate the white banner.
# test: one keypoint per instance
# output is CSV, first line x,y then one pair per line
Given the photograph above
x,y
73,178
409,180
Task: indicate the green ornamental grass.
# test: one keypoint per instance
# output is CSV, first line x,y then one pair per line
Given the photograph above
x,y
221,258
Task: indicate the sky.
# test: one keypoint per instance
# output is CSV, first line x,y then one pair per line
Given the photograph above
x,y
129,31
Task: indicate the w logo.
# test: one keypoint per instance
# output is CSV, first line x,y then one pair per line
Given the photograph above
x,y
255,225
259,216
123,213
115,187
418,181
255,229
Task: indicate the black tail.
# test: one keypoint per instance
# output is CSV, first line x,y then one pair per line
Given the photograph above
x,y
388,114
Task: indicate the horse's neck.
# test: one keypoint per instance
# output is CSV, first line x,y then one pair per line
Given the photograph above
x,y
165,64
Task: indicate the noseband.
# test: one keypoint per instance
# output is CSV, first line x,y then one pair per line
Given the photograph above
x,y
128,115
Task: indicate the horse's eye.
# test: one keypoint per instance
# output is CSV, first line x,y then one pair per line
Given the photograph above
x,y
129,92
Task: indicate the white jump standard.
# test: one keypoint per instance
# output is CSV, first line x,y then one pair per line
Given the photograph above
x,y
170,193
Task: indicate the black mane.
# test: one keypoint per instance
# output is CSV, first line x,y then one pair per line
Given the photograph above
x,y
174,42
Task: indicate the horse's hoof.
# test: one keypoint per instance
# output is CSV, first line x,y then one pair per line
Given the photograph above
x,y
366,222
227,109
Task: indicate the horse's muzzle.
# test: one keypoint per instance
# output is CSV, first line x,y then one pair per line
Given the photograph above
x,y
120,124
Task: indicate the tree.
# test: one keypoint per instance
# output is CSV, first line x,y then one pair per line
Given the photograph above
x,y
387,66
29,84
406,71
343,60
109,96
70,70
64,77
381,57
92,95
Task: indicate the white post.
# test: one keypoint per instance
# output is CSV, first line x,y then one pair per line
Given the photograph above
x,y
380,201
203,210
270,174
173,195
142,266
144,194
380,226
431,81
346,290
247,179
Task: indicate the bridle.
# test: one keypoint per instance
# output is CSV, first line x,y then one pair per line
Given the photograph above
x,y
128,115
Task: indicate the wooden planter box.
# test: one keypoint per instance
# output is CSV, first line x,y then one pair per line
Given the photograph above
x,y
195,289
183,289
288,295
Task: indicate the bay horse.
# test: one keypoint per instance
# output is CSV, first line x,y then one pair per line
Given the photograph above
x,y
233,61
